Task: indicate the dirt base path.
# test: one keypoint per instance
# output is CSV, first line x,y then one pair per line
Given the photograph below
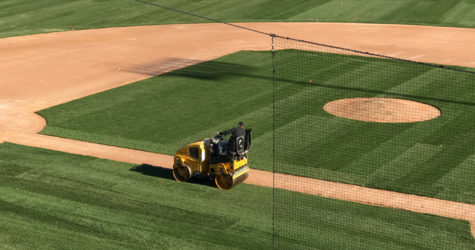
x,y
40,71
340,191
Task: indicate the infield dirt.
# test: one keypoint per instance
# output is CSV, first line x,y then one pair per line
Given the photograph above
x,y
40,71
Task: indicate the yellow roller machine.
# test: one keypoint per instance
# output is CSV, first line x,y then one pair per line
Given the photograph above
x,y
215,158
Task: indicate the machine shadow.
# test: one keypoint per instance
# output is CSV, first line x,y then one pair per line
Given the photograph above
x,y
167,173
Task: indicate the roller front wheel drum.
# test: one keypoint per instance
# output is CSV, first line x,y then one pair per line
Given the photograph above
x,y
182,173
224,181
227,181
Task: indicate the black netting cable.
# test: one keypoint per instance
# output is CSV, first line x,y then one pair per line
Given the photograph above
x,y
273,141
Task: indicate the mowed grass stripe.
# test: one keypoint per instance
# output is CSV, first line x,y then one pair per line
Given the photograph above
x,y
391,149
350,10
462,9
94,203
22,17
456,176
405,163
49,235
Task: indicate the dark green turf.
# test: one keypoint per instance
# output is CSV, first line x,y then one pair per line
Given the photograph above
x,y
162,114
21,17
54,200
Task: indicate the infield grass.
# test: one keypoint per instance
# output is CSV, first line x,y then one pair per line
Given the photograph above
x,y
433,158
22,17
54,200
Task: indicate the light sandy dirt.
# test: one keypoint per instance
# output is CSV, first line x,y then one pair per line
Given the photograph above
x,y
40,71
383,110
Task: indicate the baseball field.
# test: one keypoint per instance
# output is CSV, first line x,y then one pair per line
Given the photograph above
x,y
137,94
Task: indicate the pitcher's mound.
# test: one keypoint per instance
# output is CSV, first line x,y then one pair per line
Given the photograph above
x,y
387,110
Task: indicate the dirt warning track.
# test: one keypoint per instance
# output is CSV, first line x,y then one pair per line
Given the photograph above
x,y
40,71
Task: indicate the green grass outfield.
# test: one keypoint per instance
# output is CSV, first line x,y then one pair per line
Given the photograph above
x,y
22,17
52,200
433,158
